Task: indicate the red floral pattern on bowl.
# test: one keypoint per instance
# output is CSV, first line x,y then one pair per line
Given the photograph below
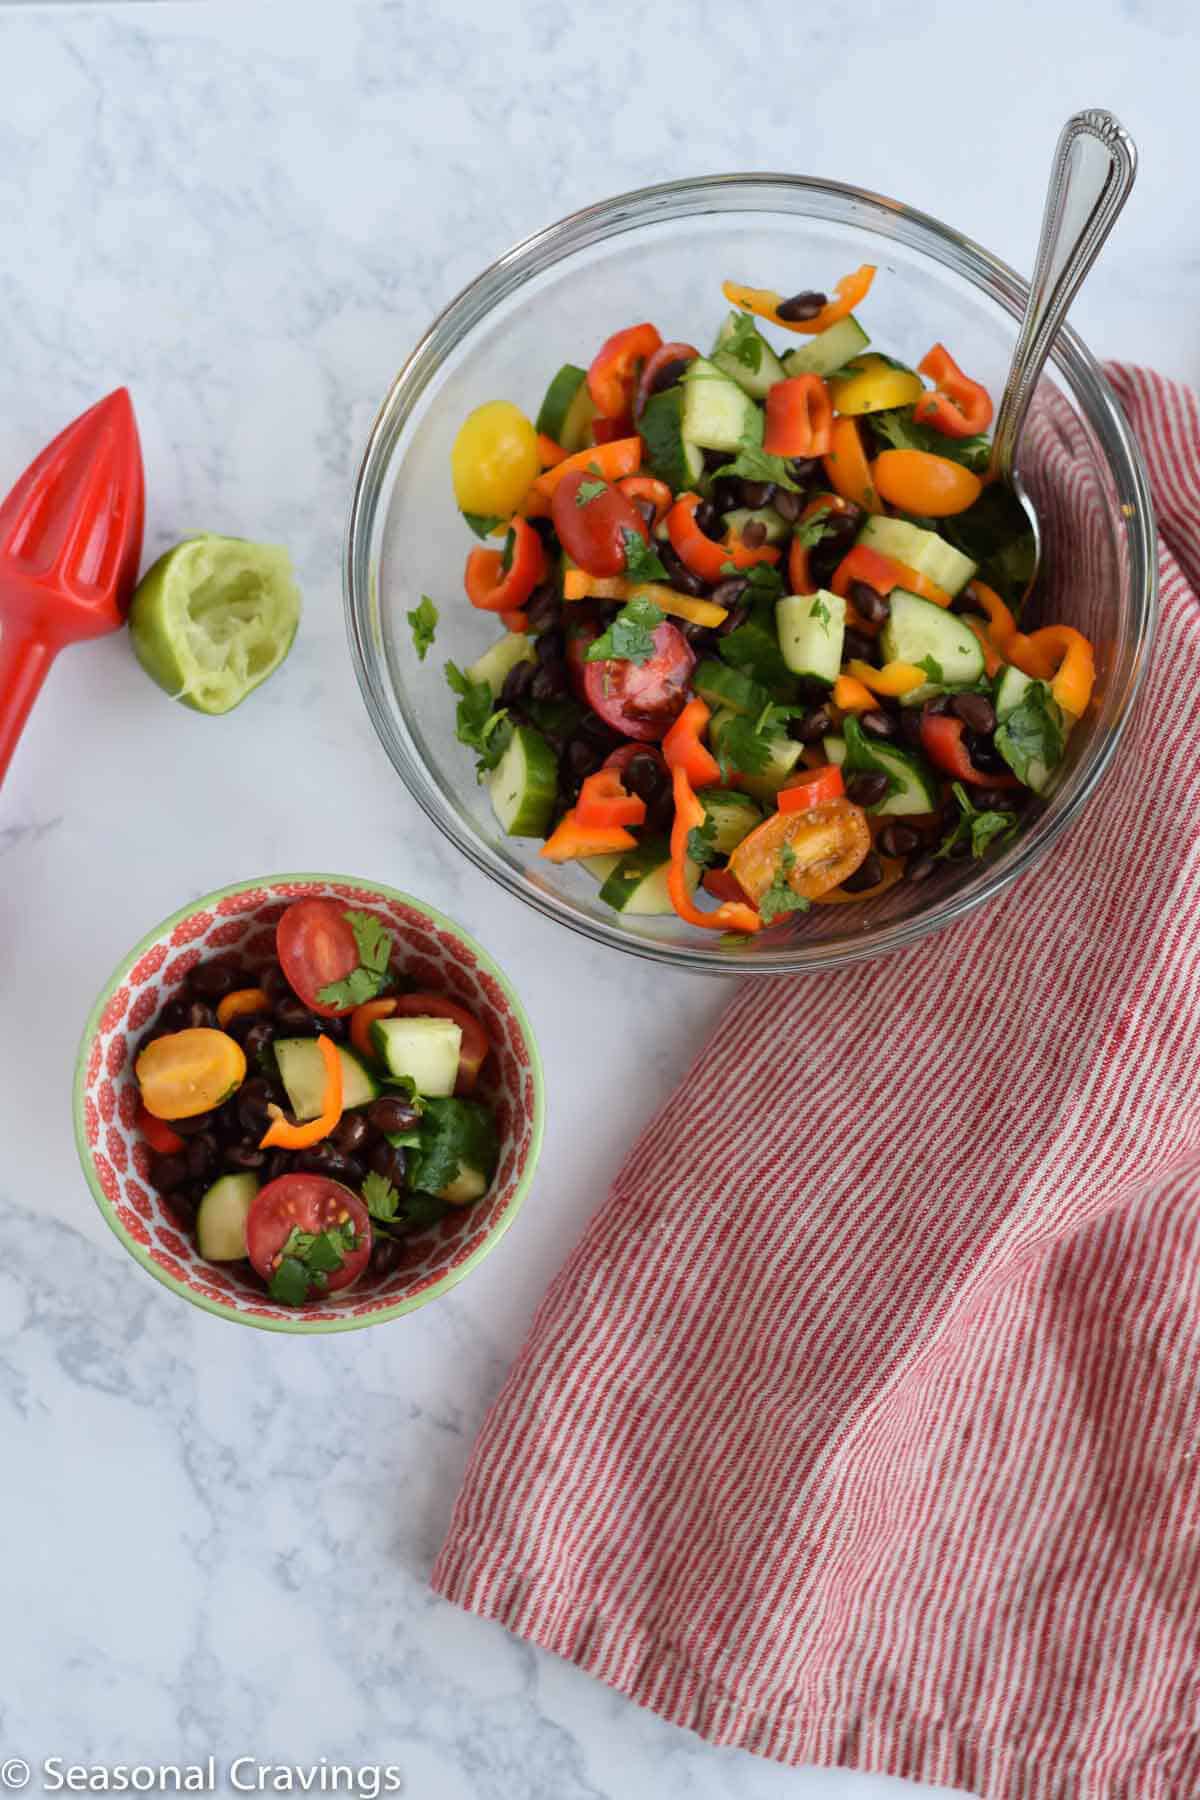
x,y
114,1156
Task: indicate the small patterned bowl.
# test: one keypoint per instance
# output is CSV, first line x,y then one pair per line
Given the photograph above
x,y
438,954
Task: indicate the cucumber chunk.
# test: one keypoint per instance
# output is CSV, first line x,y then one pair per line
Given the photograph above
x,y
784,754
568,409
922,550
717,415
730,816
753,377
927,635
1011,690
426,1051
829,350
773,523
524,783
497,664
720,686
638,884
914,785
302,1071
812,628
221,1219
599,867
668,454
468,1186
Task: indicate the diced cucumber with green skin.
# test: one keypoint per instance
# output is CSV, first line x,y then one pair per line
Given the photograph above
x,y
785,753
424,1050
524,783
834,749
915,787
733,817
720,686
468,1186
497,664
638,884
754,382
221,1218
918,630
1011,689
717,415
568,409
302,1071
668,454
922,550
829,350
773,523
599,867
812,629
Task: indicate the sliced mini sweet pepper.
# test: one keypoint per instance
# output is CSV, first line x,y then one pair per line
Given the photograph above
x,y
579,585
851,695
799,417
158,1133
683,746
650,489
942,740
1001,624
571,840
281,1134
492,587
703,555
613,461
1068,654
613,376
604,801
731,915
993,662
883,573
609,431
239,1004
662,357
800,576
813,789
874,384
765,302
957,406
361,1021
723,886
847,469
894,679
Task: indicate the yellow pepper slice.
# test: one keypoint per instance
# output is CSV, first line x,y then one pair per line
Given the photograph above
x,y
579,585
189,1072
894,679
875,386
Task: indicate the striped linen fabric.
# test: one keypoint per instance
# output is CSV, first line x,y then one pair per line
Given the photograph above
x,y
863,1426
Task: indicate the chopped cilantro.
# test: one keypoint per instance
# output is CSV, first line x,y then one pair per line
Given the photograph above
x,y
1033,732
745,745
381,1197
700,842
307,1260
765,581
480,726
860,759
810,531
630,637
753,463
978,829
820,612
932,668
744,342
588,491
423,620
372,974
482,524
781,897
454,1133
289,1283
641,559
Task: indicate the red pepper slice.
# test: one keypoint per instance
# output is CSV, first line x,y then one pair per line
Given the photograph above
x,y
683,749
666,353
491,587
613,375
603,801
703,555
733,915
816,788
609,431
942,742
958,407
799,418
646,487
724,886
158,1133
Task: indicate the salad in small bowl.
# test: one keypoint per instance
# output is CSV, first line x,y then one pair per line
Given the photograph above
x,y
308,1103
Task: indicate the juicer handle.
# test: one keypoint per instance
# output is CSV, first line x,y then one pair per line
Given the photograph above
x,y
25,657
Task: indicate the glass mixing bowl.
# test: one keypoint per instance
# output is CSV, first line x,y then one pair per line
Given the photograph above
x,y
661,253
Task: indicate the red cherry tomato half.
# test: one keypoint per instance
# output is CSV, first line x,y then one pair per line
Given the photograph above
x,y
315,944
475,1045
643,700
591,519
306,1203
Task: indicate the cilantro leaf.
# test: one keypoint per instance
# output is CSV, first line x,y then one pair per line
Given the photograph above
x,y
820,612
289,1283
811,531
325,1253
901,431
380,1197
753,463
589,490
765,581
454,1134
700,842
781,897
860,759
424,620
372,974
1033,733
480,726
745,745
641,559
421,1211
974,828
483,524
630,637
932,668
744,342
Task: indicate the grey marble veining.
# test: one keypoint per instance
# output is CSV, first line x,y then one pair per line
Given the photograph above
x,y
216,1540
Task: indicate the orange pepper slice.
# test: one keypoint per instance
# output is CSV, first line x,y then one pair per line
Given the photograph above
x,y
282,1134
846,467
621,457
765,302
240,1002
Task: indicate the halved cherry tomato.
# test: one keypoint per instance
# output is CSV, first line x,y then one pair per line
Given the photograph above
x,y
189,1072
492,587
943,741
613,375
310,1203
158,1133
643,700
957,407
603,800
316,946
703,555
473,1052
846,467
828,843
646,487
799,417
661,359
918,482
813,789
363,1018
722,886
592,520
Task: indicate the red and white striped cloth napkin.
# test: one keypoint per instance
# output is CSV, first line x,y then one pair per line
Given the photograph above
x,y
863,1427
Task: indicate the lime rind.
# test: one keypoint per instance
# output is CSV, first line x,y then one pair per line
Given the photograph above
x,y
214,618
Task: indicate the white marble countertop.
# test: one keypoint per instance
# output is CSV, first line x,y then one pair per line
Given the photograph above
x,y
217,1541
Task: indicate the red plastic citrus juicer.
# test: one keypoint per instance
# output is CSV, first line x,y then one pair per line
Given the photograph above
x,y
70,543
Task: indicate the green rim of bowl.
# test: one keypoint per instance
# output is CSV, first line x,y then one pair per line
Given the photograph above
x,y
298,1326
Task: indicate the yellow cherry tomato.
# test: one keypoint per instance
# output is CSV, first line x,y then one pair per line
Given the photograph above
x,y
189,1072
917,482
827,844
494,459
874,386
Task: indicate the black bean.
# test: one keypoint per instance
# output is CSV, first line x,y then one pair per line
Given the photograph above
x,y
878,723
227,1123
274,983
726,493
239,1028
386,1252
259,1037
714,458
856,647
789,506
910,726
736,618
874,607
868,874
550,682
936,705
354,1171
594,731
813,726
989,799
201,1017
246,1155
645,775
898,840
583,759
392,1113
668,373
757,493
976,712
212,979
201,1153
324,1159
517,684
707,520
350,1133
702,638
660,814
543,607
919,868
804,469
678,574
754,533
389,1161
867,788
279,1163
173,1017
983,752
169,1171
551,646
294,1018
253,1098
802,306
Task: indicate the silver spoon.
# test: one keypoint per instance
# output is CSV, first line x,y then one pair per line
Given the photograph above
x,y
1090,181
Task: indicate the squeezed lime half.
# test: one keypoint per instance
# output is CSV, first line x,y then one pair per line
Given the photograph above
x,y
213,618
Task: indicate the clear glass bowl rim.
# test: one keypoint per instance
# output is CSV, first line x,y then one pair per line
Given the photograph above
x,y
806,196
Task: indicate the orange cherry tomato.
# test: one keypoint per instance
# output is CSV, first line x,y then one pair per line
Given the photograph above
x,y
828,843
917,482
846,467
